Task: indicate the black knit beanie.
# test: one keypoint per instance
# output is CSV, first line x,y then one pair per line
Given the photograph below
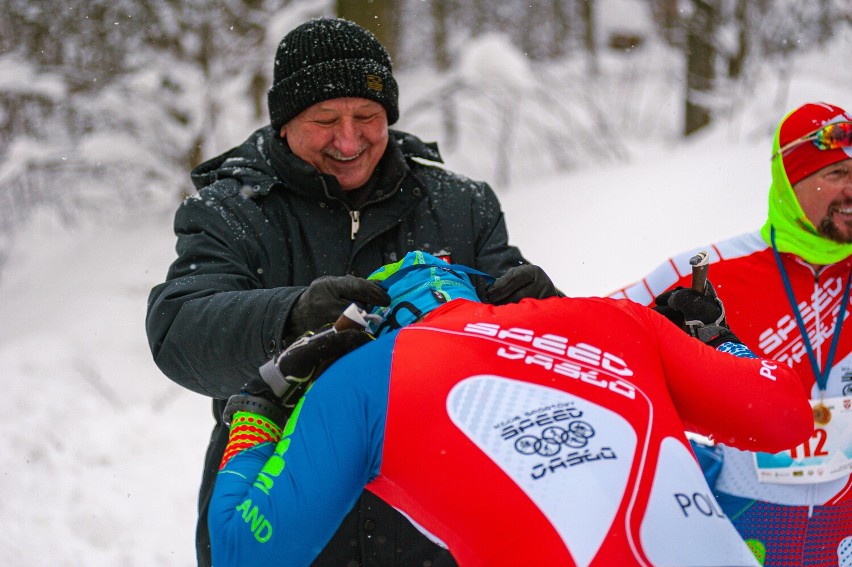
x,y
329,58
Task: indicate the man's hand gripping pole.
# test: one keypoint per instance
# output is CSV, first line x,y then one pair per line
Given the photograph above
x,y
701,327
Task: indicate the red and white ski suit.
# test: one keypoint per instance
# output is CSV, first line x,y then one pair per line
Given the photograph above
x,y
799,524
548,432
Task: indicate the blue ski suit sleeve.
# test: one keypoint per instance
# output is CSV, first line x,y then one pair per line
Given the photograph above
x,y
280,504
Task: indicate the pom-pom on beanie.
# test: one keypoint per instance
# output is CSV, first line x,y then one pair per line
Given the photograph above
x,y
328,58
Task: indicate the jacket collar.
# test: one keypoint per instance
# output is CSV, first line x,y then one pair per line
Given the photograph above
x,y
265,161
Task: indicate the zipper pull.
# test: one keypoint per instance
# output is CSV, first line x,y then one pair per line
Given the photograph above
x,y
356,222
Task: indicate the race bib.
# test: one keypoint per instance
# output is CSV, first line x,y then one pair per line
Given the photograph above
x,y
826,456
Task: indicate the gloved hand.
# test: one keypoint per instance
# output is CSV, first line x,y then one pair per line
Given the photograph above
x,y
326,298
292,371
284,379
702,315
519,283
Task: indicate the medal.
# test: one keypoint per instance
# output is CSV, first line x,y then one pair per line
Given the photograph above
x,y
822,414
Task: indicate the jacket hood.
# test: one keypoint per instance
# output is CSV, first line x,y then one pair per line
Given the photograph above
x,y
794,232
249,163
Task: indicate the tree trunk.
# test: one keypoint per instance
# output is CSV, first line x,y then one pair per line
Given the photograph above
x,y
379,16
669,18
737,61
561,28
700,65
481,20
257,91
440,16
587,11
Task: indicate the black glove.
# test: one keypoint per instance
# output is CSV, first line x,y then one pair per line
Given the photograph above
x,y
326,298
702,315
284,379
291,372
519,283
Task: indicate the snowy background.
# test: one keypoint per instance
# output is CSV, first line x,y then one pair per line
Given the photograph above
x,y
100,454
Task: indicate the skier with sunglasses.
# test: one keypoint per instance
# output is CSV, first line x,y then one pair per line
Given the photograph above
x,y
786,289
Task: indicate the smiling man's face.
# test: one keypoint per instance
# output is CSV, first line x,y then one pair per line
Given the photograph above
x,y
826,199
344,137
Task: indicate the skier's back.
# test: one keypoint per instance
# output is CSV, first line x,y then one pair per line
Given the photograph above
x,y
541,433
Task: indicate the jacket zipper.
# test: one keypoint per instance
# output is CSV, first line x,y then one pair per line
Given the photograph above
x,y
355,214
356,222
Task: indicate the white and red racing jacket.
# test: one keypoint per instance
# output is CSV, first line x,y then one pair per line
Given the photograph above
x,y
809,521
542,433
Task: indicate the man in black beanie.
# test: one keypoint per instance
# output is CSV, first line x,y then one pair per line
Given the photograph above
x,y
284,229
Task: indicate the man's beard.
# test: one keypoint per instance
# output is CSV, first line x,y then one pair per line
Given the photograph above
x,y
829,230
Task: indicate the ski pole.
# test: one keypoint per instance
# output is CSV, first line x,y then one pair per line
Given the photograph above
x,y
700,265
353,317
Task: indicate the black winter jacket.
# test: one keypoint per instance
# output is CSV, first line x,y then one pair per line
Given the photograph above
x,y
263,225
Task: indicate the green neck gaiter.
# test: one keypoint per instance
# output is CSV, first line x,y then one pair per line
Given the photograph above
x,y
794,233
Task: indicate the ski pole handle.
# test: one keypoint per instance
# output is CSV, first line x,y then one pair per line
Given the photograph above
x,y
700,265
353,317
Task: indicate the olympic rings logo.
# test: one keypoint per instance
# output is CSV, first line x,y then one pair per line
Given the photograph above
x,y
552,439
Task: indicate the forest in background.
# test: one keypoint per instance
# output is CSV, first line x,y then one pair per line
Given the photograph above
x,y
106,105
103,113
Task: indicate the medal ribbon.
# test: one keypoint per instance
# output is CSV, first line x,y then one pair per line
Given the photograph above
x,y
821,376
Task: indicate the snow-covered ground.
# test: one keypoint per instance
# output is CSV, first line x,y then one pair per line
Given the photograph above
x,y
100,454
